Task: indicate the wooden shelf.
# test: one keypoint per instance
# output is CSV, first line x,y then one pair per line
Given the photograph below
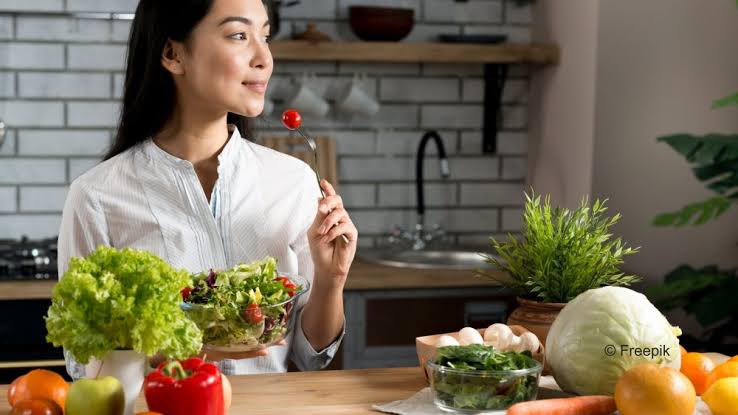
x,y
414,52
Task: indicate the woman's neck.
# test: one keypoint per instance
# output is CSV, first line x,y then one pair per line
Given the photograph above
x,y
192,136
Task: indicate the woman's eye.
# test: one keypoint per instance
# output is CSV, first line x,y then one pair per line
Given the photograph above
x,y
268,39
238,36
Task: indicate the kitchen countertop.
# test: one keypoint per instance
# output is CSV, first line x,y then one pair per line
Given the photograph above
x,y
363,276
325,392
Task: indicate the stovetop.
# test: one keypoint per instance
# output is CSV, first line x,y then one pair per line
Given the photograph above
x,y
28,259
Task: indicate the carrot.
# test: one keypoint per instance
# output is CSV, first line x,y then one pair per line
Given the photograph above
x,y
580,405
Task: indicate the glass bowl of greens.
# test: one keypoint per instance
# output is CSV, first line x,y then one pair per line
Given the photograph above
x,y
477,378
246,307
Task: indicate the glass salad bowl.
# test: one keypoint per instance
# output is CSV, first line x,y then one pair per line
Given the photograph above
x,y
240,310
481,391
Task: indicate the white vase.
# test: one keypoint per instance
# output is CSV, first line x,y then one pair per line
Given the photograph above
x,y
128,366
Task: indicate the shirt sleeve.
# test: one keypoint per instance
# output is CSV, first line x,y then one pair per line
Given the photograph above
x,y
302,353
83,229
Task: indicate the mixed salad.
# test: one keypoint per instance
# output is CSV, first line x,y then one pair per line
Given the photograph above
x,y
247,305
479,377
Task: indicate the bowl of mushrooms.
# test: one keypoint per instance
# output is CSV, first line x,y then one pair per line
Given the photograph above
x,y
500,336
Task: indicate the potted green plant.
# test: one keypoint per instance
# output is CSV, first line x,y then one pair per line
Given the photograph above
x,y
706,293
115,308
561,254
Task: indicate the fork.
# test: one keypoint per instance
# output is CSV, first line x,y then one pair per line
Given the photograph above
x,y
314,148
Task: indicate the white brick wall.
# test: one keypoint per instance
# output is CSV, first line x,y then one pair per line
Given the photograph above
x,y
123,6
7,84
29,171
8,146
35,5
19,55
64,85
404,195
7,199
79,166
420,90
42,198
33,113
6,27
479,11
490,194
62,29
110,57
93,114
61,80
63,142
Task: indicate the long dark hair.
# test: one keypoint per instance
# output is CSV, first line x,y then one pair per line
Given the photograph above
x,y
149,91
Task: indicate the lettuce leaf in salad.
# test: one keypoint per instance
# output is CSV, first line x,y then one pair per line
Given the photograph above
x,y
218,299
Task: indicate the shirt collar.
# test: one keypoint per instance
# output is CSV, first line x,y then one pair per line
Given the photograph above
x,y
227,156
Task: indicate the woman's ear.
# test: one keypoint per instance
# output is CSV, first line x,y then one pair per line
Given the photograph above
x,y
171,57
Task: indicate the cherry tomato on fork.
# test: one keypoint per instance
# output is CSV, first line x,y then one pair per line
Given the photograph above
x,y
291,119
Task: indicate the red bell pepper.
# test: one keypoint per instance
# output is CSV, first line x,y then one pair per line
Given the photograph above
x,y
189,387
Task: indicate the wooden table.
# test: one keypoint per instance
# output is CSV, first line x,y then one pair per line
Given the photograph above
x,y
326,392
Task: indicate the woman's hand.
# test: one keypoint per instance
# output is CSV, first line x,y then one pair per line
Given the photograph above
x,y
213,356
332,256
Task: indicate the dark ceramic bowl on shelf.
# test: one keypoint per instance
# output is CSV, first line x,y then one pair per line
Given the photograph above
x,y
385,24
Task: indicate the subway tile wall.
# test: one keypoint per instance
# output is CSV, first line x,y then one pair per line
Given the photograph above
x,y
61,81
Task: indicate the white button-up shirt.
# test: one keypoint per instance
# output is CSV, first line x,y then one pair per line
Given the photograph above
x,y
146,198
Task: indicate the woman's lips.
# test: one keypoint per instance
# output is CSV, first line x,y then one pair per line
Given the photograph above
x,y
258,87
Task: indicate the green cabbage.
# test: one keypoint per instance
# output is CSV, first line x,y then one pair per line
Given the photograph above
x,y
602,333
124,299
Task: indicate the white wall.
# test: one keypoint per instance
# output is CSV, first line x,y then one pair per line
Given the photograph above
x,y
658,65
562,103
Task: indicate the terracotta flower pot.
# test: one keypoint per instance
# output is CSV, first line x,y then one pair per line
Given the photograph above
x,y
535,316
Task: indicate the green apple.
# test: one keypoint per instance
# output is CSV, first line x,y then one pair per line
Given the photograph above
x,y
103,396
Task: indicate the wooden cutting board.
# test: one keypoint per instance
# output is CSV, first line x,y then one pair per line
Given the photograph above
x,y
296,147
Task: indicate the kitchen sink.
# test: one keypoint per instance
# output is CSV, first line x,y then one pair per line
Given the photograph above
x,y
446,258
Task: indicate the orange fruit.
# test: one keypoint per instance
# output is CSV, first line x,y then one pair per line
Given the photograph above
x,y
733,359
11,389
36,407
682,350
40,384
724,370
649,389
697,368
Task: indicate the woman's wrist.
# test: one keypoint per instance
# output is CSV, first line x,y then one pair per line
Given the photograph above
x,y
328,284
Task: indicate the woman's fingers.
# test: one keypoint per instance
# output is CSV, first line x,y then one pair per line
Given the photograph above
x,y
344,228
337,216
327,187
214,355
329,203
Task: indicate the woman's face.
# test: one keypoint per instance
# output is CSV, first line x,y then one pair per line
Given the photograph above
x,y
226,61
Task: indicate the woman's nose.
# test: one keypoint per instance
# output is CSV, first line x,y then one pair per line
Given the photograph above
x,y
262,56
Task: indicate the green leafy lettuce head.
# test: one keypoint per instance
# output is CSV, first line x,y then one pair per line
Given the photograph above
x,y
121,299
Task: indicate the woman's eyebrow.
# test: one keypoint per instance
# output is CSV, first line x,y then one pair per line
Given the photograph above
x,y
243,20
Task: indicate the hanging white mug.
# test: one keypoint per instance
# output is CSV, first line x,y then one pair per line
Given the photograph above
x,y
354,100
307,101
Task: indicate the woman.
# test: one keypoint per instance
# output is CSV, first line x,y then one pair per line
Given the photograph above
x,y
181,182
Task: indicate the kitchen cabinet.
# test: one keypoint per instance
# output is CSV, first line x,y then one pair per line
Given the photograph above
x,y
387,307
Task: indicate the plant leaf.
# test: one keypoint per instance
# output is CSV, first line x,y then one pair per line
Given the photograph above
x,y
726,101
703,211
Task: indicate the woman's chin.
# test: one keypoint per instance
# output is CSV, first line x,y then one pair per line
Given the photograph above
x,y
251,110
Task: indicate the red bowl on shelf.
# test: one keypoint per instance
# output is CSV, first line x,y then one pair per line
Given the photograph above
x,y
386,24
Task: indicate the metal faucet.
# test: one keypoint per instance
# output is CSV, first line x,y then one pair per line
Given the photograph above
x,y
420,237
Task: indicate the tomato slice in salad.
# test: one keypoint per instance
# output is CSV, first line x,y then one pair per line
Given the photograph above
x,y
288,285
253,314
